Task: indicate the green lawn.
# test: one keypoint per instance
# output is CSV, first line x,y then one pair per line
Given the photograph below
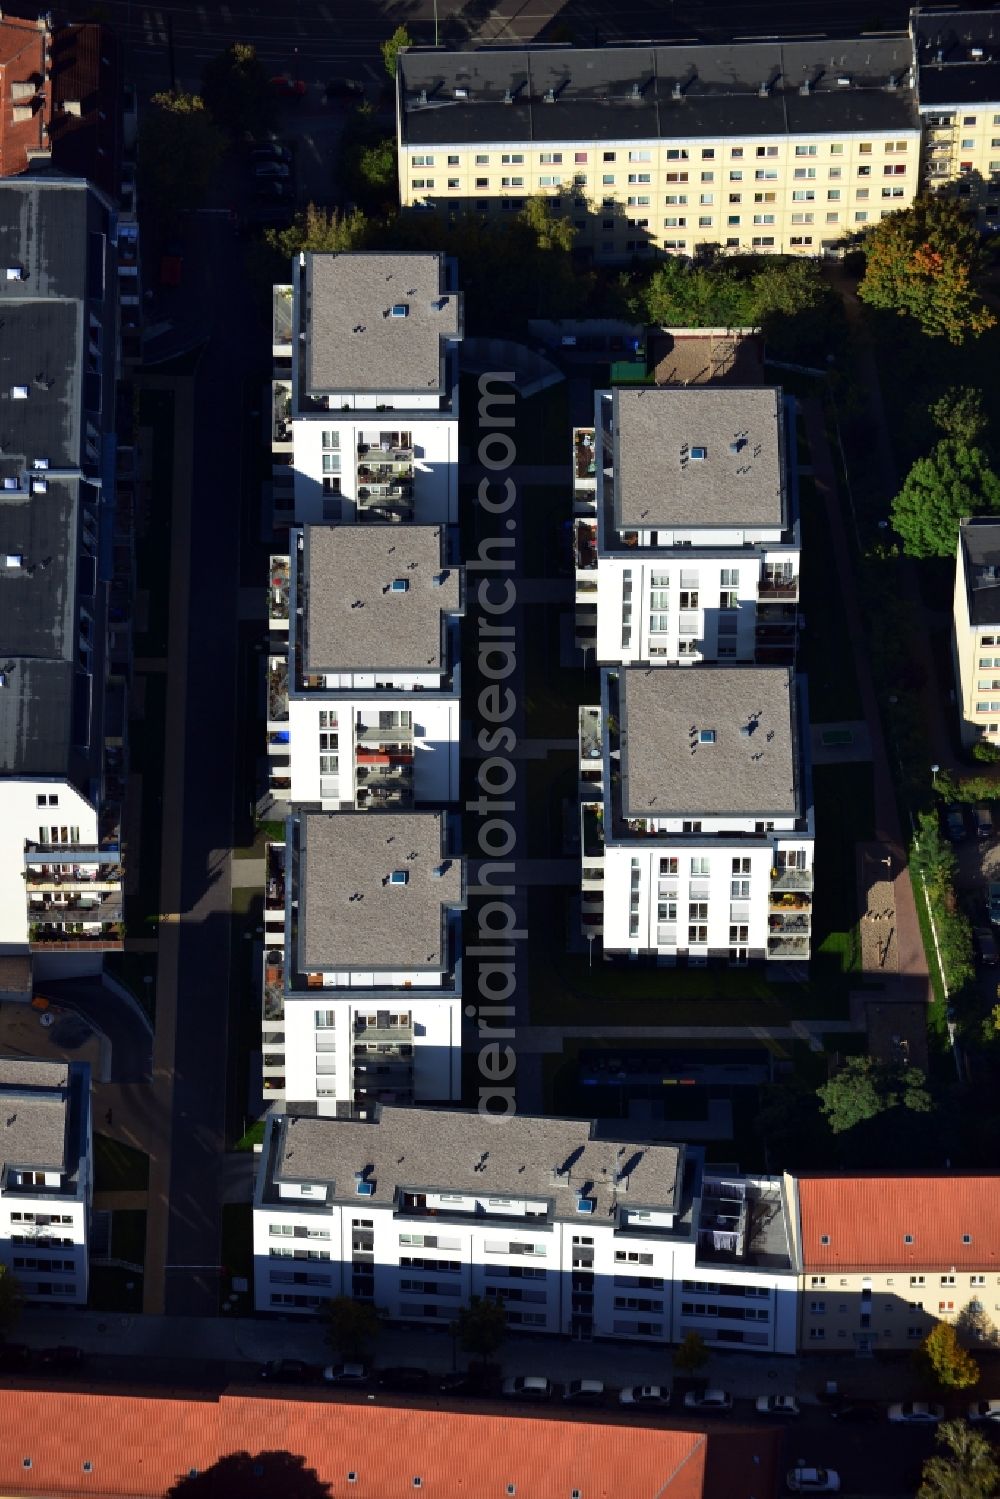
x,y
825,653
566,990
251,1137
118,1167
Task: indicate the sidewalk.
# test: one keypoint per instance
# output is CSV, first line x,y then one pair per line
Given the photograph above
x,y
248,1340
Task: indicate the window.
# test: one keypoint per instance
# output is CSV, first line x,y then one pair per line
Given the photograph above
x,y
947,1280
676,176
710,176
865,148
893,171
648,156
968,119
767,150
484,182
705,199
579,157
673,154
608,180
835,174
895,146
817,1308
917,1280
864,171
453,182
736,176
550,158
763,218
861,217
833,195
836,150
766,174
801,174
639,177
817,1334
608,156
697,935
765,197
425,161
803,195
512,159
739,934
708,153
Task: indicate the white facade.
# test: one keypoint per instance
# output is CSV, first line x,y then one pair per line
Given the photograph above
x,y
332,1046
427,746
648,1274
331,480
45,1200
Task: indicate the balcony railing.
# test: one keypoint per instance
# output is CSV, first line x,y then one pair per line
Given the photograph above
x,y
783,590
385,452
590,734
789,923
585,545
399,734
788,947
792,879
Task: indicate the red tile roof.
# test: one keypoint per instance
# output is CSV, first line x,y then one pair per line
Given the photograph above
x,y
22,60
140,1446
863,1222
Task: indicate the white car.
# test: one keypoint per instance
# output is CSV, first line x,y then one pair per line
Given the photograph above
x,y
708,1400
803,1480
527,1387
777,1405
646,1396
984,1410
917,1412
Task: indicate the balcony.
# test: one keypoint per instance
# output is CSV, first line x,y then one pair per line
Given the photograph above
x,y
277,690
281,416
778,590
792,900
584,455
789,923
99,879
592,830
277,602
396,448
383,1033
274,879
787,947
379,734
585,545
47,907
591,745
791,880
48,937
281,321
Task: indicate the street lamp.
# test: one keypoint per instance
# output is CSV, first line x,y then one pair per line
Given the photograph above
x,y
590,948
934,774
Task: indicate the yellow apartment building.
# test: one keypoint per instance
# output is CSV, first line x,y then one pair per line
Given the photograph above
x,y
957,61
883,1258
758,146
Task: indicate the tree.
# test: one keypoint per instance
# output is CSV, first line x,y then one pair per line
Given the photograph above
x,y
235,89
10,1302
690,1355
397,43
352,1327
973,1325
952,1366
321,231
953,481
241,1473
970,1471
865,1087
959,413
179,150
482,1327
922,263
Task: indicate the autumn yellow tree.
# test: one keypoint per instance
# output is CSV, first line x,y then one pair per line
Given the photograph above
x,y
953,1366
923,263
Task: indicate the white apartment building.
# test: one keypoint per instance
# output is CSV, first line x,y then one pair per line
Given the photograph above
x,y
692,551
698,838
369,973
365,389
420,1210
46,1179
975,635
757,146
364,709
957,68
63,663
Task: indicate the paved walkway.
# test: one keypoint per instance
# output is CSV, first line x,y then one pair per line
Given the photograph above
x,y
550,1038
158,1119
912,979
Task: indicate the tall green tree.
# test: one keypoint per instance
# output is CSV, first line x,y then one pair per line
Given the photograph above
x,y
953,481
959,413
968,1471
482,1327
351,1327
923,262
180,147
397,43
952,1366
865,1087
321,231
234,86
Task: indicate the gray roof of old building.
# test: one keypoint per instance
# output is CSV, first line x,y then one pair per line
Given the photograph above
x,y
750,769
520,1156
34,1112
352,913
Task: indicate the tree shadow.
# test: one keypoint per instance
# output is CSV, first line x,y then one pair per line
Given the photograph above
x,y
269,1474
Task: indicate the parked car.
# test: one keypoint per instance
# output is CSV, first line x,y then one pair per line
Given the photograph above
x,y
345,90
403,1377
993,900
288,1371
270,151
983,818
61,1357
986,946
14,1356
479,1379
345,1374
269,170
288,88
954,823
917,1413
857,1412
777,1405
584,1391
527,1387
804,1480
646,1396
708,1400
984,1410
277,191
